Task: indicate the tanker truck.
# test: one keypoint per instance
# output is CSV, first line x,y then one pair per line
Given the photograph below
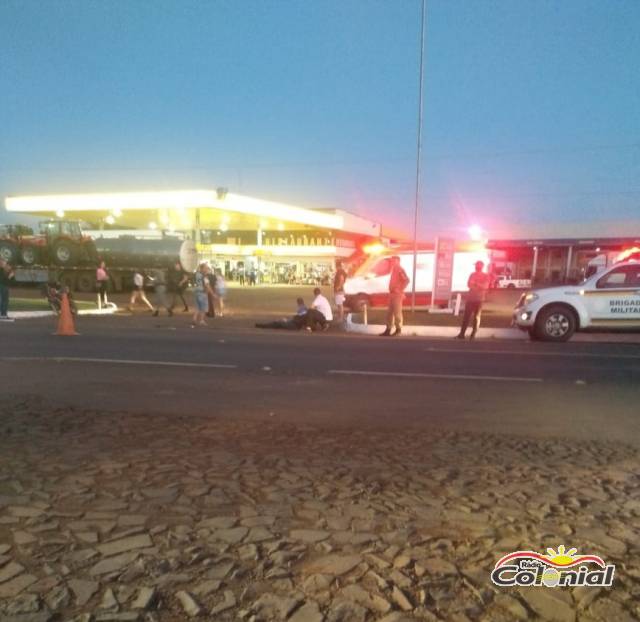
x,y
124,252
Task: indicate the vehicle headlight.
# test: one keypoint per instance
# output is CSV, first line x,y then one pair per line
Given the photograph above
x,y
525,299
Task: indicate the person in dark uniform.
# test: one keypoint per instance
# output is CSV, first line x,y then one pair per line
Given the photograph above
x,y
478,284
178,281
6,274
211,293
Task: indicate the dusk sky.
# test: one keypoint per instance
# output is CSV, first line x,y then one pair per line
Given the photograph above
x,y
531,111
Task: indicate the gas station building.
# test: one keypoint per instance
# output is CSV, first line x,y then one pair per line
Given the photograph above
x,y
564,252
236,233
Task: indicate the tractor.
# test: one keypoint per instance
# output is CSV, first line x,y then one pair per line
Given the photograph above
x,y
60,242
10,242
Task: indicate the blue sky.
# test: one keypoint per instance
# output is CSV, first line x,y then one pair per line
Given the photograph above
x,y
531,110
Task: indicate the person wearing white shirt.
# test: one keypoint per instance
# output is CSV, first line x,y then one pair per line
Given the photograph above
x,y
320,314
138,291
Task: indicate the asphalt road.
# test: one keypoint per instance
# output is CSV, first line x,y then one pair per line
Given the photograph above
x,y
579,390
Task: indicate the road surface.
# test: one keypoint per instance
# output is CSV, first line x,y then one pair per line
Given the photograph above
x,y
581,390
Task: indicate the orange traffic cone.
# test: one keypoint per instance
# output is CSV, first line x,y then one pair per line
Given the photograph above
x,y
65,322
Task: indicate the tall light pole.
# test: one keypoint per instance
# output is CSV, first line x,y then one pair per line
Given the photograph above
x,y
418,158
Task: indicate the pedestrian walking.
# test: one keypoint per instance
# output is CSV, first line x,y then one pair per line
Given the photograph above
x,y
138,291
220,291
160,289
6,276
102,283
478,285
398,282
338,289
253,276
201,290
178,282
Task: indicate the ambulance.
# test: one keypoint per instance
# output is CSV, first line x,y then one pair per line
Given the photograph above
x,y
369,285
609,299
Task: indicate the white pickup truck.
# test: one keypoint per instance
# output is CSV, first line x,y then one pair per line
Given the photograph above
x,y
607,300
505,282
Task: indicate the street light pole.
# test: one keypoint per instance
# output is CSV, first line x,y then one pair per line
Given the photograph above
x,y
418,159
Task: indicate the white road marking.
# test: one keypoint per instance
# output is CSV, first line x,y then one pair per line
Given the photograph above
x,y
397,374
522,353
69,359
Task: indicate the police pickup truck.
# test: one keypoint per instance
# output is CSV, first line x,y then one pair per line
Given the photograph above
x,y
607,300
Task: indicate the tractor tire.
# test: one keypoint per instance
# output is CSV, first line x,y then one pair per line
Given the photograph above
x,y
65,253
9,252
29,255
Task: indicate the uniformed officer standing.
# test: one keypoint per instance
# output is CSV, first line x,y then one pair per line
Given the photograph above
x,y
478,284
398,282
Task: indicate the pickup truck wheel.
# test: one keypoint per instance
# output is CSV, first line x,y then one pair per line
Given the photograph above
x,y
64,253
555,323
29,255
9,252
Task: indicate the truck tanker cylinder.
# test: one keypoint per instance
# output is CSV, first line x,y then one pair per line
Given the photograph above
x,y
128,251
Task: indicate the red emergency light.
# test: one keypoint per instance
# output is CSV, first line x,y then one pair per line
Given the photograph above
x,y
374,248
628,254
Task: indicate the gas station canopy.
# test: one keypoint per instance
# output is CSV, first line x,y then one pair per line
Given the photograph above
x,y
188,210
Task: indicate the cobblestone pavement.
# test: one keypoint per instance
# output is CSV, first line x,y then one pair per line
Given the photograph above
x,y
128,517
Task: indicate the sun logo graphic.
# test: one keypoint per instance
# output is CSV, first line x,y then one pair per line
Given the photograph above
x,y
561,568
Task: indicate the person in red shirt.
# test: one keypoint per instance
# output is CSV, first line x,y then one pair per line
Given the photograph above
x,y
398,282
478,284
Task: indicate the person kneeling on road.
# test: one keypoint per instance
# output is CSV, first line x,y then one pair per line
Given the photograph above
x,y
320,314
